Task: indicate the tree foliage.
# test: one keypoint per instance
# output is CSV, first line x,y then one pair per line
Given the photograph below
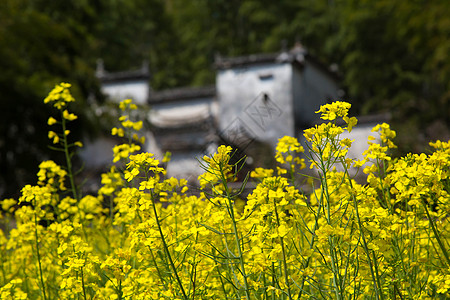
x,y
43,43
393,54
37,49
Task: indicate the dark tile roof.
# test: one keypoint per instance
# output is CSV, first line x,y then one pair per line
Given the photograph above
x,y
181,94
193,136
242,61
124,76
297,56
202,125
108,77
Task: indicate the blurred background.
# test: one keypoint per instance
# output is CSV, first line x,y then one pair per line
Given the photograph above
x,y
391,56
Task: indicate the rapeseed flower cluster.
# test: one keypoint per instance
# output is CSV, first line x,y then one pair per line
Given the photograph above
x,y
218,170
143,236
60,97
128,129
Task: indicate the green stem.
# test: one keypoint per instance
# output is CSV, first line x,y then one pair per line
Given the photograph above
x,y
375,279
166,248
156,267
41,276
333,255
222,284
336,280
283,251
235,231
436,234
238,245
111,209
387,198
68,159
376,272
311,246
82,284
120,290
274,283
193,273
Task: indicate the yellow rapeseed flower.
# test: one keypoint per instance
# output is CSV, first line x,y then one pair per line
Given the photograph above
x,y
51,121
68,116
60,96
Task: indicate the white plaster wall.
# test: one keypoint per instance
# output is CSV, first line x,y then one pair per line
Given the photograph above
x,y
360,135
98,153
240,92
151,146
185,165
175,113
136,90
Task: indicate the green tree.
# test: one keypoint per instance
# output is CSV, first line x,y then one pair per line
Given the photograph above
x,y
43,43
394,55
35,53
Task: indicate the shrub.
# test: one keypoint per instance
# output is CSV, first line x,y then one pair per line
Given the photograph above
x,y
143,236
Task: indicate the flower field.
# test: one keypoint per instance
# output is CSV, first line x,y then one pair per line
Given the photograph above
x,y
147,236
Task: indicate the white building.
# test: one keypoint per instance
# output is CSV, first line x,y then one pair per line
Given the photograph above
x,y
132,84
183,122
257,99
269,96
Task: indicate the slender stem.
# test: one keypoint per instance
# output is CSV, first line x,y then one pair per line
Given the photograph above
x,y
333,255
283,251
2,265
41,276
156,267
120,290
387,198
376,272
313,233
166,248
82,284
238,245
376,282
273,280
235,230
111,209
222,284
68,159
336,280
436,234
193,273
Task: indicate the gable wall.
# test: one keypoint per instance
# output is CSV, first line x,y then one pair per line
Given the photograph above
x,y
137,90
256,99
